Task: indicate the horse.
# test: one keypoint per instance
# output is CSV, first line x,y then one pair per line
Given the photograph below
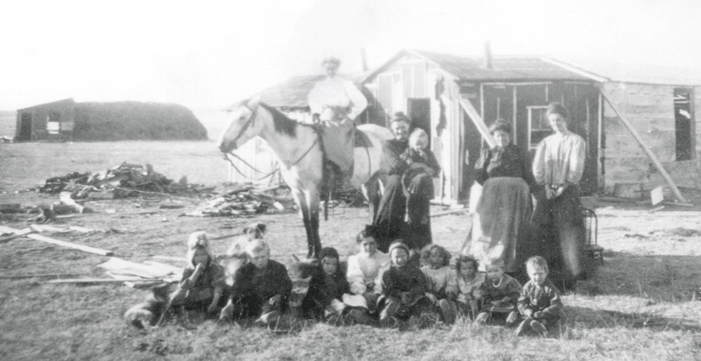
x,y
299,150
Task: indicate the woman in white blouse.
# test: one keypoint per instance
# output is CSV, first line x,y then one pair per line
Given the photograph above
x,y
336,102
558,227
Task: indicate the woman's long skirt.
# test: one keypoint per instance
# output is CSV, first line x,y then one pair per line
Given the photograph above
x,y
500,223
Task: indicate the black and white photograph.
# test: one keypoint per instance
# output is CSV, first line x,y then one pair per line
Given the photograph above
x,y
350,180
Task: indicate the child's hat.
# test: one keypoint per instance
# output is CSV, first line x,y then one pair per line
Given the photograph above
x,y
398,244
197,240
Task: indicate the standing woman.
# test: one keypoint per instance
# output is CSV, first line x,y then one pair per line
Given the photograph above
x,y
503,213
418,189
389,221
558,226
337,102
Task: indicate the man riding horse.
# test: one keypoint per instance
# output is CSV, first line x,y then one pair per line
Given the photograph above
x,y
336,102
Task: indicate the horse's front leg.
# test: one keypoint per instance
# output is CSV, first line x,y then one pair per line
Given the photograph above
x,y
314,240
371,191
301,201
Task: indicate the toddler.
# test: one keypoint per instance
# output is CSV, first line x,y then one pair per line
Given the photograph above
x,y
500,294
261,287
539,302
326,288
438,276
403,287
466,287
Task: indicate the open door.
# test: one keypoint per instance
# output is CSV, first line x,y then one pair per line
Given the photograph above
x,y
419,111
25,127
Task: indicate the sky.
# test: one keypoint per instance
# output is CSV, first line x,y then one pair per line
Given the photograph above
x,y
210,54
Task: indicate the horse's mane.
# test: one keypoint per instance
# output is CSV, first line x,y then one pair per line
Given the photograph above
x,y
282,123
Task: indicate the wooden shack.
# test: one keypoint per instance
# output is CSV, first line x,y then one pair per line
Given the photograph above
x,y
50,121
455,98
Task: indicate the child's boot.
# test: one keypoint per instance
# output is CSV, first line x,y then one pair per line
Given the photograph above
x,y
447,311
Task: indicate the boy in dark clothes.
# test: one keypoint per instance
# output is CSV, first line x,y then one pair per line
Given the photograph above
x,y
326,288
500,294
404,287
261,288
539,302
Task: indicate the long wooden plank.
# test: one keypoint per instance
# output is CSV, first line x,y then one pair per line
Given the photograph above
x,y
96,280
647,150
80,247
478,121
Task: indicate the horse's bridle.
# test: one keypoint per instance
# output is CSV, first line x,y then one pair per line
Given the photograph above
x,y
249,123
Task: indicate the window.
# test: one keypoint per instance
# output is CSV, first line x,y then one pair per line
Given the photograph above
x,y
538,126
53,123
683,121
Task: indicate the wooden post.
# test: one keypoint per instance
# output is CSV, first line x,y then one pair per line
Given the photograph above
x,y
647,150
478,121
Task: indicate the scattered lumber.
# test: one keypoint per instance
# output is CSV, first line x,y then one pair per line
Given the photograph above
x,y
59,242
94,280
43,275
679,204
155,270
21,233
450,212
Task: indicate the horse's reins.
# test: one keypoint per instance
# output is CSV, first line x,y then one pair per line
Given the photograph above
x,y
245,127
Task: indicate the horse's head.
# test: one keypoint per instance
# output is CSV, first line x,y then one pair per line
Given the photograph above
x,y
243,125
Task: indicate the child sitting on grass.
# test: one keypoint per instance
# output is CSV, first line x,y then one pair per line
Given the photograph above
x,y
365,269
439,275
261,288
202,283
500,294
403,287
539,302
466,286
326,288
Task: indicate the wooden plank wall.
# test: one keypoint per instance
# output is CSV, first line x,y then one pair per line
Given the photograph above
x,y
650,108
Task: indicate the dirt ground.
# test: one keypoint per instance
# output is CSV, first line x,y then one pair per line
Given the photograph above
x,y
642,303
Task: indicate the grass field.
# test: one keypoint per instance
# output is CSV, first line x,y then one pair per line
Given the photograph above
x,y
641,304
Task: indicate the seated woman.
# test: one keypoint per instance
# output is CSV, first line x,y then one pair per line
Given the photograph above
x,y
500,223
261,288
558,226
418,189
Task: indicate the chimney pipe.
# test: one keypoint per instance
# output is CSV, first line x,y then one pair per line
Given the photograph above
x,y
363,59
487,55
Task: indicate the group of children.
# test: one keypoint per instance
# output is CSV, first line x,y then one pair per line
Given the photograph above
x,y
375,288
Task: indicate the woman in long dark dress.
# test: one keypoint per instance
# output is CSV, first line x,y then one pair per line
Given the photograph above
x,y
501,220
418,189
558,227
389,220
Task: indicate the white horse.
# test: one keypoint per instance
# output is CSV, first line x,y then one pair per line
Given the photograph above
x,y
298,148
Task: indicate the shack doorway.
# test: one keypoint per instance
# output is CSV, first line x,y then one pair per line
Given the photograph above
x,y
25,130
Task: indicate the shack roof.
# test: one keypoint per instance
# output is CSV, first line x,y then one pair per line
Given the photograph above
x,y
68,101
504,68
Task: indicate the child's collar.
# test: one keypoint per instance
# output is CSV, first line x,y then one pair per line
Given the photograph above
x,y
501,280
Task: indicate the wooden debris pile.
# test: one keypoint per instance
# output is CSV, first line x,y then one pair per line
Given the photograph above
x,y
245,200
122,181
